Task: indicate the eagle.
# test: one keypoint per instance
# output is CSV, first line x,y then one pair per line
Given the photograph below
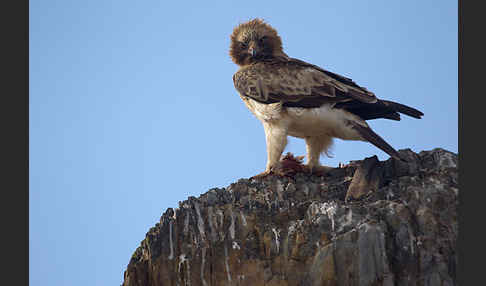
x,y
294,98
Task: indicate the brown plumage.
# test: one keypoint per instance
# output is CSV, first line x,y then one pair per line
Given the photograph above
x,y
293,97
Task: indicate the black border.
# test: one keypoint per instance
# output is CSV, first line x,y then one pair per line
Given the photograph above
x,y
471,129
15,132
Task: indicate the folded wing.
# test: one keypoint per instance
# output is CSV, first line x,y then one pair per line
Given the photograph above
x,y
300,84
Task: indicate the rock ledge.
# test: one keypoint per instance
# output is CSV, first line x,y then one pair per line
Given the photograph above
x,y
369,223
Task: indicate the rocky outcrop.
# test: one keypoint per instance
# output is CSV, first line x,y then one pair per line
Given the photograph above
x,y
368,223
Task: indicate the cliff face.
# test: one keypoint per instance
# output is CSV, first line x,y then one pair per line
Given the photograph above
x,y
368,223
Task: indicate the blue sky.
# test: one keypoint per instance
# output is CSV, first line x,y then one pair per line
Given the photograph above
x,y
133,109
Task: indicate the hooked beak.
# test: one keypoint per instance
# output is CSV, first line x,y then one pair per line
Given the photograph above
x,y
252,51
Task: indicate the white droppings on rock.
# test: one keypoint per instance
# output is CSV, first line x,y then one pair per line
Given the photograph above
x,y
243,219
185,205
348,220
232,225
277,237
331,211
226,259
417,195
182,259
325,208
349,216
348,178
236,246
200,222
211,225
186,224
419,241
412,239
293,225
221,218
366,226
171,254
202,266
219,222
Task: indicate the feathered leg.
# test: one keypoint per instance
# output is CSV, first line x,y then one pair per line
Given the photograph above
x,y
315,146
276,137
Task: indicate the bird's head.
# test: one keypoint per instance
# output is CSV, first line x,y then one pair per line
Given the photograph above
x,y
254,41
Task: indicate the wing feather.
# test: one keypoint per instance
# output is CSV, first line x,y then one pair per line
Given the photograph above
x,y
293,81
296,83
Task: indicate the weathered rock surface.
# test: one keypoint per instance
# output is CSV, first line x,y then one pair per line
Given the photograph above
x,y
369,223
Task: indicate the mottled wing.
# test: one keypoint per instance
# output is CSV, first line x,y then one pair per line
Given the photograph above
x,y
296,83
352,89
361,102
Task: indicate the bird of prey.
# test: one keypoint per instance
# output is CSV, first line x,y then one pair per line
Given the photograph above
x,y
296,98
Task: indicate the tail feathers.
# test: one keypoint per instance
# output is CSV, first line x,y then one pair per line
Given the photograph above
x,y
407,110
375,139
392,116
380,109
